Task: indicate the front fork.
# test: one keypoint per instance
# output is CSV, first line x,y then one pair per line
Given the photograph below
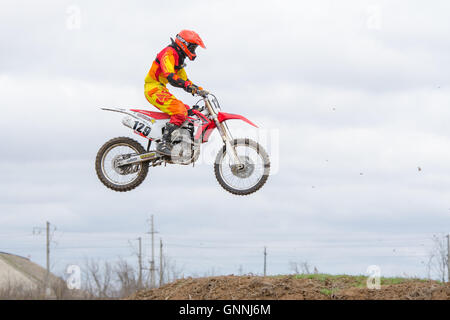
x,y
225,134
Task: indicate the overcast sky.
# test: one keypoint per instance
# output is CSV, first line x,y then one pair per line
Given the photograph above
x,y
351,97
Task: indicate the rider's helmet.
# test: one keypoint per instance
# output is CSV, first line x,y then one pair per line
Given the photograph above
x,y
188,41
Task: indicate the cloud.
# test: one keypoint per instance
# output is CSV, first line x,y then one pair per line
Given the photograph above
x,y
348,114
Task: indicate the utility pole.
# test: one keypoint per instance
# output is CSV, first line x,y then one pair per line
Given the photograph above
x,y
161,274
48,238
448,257
265,260
152,262
48,248
47,276
140,263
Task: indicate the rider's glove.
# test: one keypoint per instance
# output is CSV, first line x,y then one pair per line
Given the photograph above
x,y
193,89
187,86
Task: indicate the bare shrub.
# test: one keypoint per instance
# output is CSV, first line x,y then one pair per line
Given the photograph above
x,y
302,267
126,278
98,279
171,270
437,258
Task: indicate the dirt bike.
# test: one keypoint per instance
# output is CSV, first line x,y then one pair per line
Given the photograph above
x,y
241,166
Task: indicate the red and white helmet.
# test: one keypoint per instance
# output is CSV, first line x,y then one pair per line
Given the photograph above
x,y
188,41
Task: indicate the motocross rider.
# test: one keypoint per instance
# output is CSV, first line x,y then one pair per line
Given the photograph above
x,y
168,67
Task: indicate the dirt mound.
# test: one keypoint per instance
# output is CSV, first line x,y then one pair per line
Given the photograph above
x,y
301,287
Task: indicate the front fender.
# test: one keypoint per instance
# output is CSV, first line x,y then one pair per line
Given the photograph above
x,y
222,116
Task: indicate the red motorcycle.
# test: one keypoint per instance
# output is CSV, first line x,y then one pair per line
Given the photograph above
x,y
241,167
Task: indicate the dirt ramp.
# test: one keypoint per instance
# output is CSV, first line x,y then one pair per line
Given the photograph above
x,y
405,291
296,287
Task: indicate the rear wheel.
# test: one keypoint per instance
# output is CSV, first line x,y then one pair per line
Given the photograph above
x,y
120,178
248,178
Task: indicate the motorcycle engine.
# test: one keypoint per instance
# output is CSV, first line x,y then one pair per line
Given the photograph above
x,y
183,147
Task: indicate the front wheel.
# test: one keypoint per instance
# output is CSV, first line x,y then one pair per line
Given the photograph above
x,y
250,176
120,178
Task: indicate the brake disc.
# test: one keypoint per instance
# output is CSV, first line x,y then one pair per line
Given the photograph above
x,y
126,169
245,170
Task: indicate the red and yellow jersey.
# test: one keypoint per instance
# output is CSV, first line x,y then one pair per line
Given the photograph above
x,y
167,67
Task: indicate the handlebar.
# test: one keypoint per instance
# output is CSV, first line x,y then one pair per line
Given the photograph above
x,y
202,93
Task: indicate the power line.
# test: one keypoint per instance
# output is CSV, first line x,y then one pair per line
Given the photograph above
x,y
92,247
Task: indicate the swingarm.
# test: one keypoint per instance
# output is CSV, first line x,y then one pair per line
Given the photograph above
x,y
131,159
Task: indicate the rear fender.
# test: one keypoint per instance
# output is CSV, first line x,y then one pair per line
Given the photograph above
x,y
155,125
120,110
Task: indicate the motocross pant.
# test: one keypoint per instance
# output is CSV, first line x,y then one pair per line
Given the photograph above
x,y
159,96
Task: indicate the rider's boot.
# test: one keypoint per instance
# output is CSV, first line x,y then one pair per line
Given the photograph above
x,y
165,146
